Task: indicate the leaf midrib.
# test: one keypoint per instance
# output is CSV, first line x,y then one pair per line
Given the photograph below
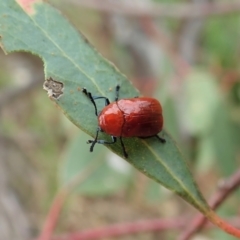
x,y
62,51
172,174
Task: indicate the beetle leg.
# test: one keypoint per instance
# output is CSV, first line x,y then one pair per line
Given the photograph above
x,y
162,140
117,92
123,148
93,142
114,140
107,102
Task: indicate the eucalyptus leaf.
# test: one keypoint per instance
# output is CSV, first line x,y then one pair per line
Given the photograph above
x,y
71,63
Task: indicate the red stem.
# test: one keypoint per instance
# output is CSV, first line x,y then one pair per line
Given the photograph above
x,y
225,189
123,229
216,220
53,215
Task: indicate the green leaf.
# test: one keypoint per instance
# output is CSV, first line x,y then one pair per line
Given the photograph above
x,y
72,63
205,155
221,47
225,138
202,98
102,180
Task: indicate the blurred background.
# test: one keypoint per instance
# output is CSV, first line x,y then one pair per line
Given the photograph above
x,y
184,53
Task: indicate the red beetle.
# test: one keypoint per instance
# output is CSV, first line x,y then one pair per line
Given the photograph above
x,y
130,117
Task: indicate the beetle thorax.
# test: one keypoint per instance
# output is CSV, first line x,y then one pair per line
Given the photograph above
x,y
111,120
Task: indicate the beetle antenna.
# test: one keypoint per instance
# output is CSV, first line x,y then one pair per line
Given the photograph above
x,y
89,95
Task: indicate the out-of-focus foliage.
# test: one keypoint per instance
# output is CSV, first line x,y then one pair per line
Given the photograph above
x,y
206,124
221,41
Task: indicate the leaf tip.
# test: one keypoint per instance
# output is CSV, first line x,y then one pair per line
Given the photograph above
x,y
27,5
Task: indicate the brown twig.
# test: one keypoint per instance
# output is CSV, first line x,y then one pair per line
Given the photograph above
x,y
225,189
189,35
181,66
178,11
60,198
